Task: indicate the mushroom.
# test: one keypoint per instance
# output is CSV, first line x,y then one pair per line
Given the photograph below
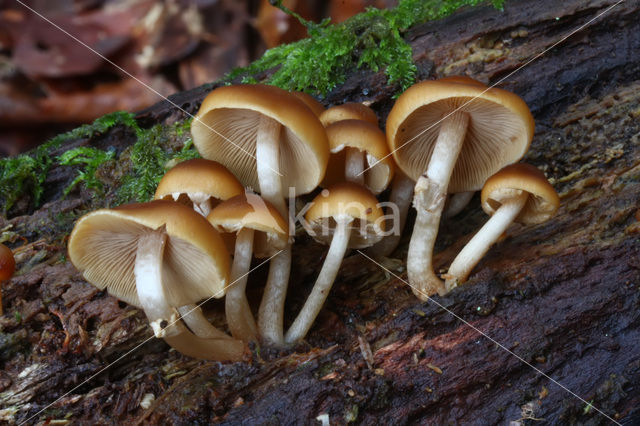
x,y
348,216
7,267
236,125
449,136
269,139
348,111
520,193
157,256
260,229
198,183
352,144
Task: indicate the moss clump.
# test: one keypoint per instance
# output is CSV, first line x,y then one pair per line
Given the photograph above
x,y
136,171
26,173
155,151
90,159
372,39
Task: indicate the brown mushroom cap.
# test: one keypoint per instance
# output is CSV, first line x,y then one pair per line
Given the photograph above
x,y
311,102
103,247
462,79
543,200
367,138
199,176
499,132
348,111
7,264
233,112
347,199
252,211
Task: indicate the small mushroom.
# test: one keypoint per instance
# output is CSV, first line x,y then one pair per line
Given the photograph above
x,y
198,183
449,136
7,267
519,193
359,154
157,256
270,140
261,230
348,216
348,111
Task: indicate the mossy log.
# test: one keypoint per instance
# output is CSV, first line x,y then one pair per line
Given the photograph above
x,y
561,298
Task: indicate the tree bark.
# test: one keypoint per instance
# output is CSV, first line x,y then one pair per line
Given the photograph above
x,y
561,298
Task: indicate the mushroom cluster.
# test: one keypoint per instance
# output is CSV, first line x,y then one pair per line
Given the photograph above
x,y
198,238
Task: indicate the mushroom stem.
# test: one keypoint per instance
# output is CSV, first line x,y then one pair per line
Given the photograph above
x,y
401,195
198,324
148,272
456,203
354,165
271,311
212,349
237,310
164,319
430,193
482,241
322,286
204,207
267,162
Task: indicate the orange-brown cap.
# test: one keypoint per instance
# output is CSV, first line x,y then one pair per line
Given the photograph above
x,y
462,79
352,200
543,200
199,177
368,139
103,246
251,211
348,111
7,264
499,132
226,125
311,102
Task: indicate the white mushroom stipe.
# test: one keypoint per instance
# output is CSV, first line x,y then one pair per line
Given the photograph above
x,y
456,203
268,166
354,165
482,241
148,273
193,316
324,282
401,195
271,311
237,310
429,197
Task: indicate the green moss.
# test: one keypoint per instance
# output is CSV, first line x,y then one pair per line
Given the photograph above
x,y
150,157
90,159
26,173
372,39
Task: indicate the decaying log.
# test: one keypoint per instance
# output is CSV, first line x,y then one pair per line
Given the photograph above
x,y
561,298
